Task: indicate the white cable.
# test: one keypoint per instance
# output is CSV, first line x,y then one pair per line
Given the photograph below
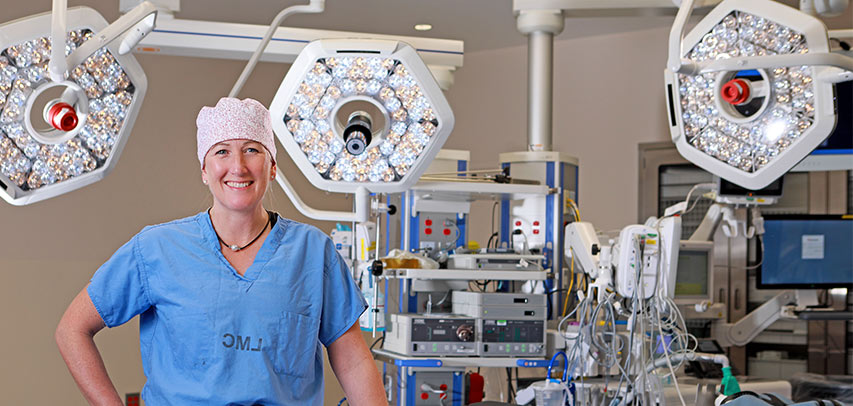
x,y
669,363
711,186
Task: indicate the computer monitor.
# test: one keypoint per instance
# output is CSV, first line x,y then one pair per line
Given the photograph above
x,y
836,152
807,252
693,278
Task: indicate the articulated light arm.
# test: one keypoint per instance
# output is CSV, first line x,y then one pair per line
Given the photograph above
x,y
142,13
315,6
776,61
676,38
362,204
678,64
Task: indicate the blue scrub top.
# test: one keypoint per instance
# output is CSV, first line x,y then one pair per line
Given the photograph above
x,y
209,336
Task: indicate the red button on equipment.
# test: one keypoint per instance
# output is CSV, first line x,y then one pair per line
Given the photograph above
x,y
427,231
535,223
428,222
424,396
446,231
535,231
518,224
443,387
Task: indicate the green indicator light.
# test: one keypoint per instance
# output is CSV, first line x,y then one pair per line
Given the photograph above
x,y
434,347
652,235
749,199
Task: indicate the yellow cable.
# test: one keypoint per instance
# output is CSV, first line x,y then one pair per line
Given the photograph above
x,y
574,207
571,284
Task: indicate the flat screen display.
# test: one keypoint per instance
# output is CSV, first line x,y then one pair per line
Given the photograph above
x,y
807,251
841,139
692,276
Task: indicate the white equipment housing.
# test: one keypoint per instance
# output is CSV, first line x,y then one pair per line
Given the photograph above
x,y
583,246
637,261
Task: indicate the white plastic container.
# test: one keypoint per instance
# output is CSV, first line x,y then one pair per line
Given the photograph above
x,y
549,393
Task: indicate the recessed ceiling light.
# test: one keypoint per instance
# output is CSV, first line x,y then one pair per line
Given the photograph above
x,y
423,27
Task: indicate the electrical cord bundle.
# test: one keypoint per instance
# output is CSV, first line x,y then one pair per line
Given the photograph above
x,y
656,330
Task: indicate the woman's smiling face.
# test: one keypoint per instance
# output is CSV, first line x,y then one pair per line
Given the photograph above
x,y
237,172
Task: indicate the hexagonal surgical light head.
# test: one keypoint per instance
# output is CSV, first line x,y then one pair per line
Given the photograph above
x,y
361,113
106,90
751,126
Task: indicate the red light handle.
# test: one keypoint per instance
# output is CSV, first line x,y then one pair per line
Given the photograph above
x,y
736,91
62,116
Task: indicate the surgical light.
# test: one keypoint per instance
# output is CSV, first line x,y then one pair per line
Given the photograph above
x,y
384,152
747,101
76,138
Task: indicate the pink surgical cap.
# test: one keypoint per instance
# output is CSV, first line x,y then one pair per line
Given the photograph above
x,y
234,119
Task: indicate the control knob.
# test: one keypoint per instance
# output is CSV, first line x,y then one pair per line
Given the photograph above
x,y
465,333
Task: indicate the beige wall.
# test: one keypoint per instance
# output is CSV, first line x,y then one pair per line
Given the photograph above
x,y
608,97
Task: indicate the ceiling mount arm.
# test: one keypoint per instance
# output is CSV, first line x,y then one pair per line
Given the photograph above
x,y
676,39
315,6
58,66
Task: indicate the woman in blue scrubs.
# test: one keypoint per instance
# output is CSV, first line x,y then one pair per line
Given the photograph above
x,y
234,302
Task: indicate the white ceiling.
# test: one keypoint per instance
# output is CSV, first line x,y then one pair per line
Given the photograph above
x,y
481,24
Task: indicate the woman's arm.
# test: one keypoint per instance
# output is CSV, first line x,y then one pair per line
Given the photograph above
x,y
354,367
75,339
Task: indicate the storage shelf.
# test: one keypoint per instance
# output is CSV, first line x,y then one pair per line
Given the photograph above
x,y
464,274
438,362
471,191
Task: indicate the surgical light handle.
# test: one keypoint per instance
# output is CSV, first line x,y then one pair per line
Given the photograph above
x,y
314,6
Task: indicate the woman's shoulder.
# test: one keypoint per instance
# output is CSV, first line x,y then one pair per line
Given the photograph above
x,y
294,227
182,225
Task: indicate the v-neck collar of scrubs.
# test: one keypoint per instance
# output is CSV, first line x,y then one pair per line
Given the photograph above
x,y
261,258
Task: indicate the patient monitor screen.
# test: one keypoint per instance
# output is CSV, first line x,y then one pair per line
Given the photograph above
x,y
691,279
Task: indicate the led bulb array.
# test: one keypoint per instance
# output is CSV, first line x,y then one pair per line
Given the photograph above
x,y
332,82
30,164
747,143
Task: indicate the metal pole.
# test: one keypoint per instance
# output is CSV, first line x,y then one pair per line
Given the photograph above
x,y
540,61
375,277
540,26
